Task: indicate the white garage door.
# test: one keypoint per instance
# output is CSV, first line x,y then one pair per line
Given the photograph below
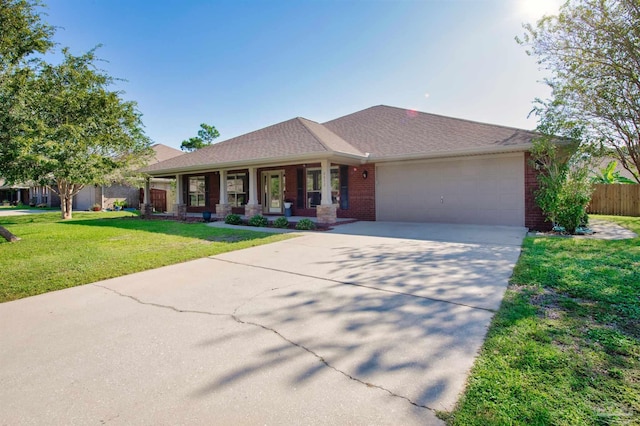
x,y
486,190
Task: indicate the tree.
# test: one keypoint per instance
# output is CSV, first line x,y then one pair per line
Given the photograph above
x,y
205,137
609,175
73,130
60,125
22,33
592,49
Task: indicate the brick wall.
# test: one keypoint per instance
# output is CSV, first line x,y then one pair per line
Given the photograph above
x,y
533,217
362,194
361,191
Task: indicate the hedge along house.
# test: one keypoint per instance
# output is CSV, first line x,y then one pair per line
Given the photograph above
x,y
382,163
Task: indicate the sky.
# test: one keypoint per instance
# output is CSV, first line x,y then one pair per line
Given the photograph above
x,y
246,64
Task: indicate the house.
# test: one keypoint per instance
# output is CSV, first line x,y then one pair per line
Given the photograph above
x,y
25,194
106,195
382,163
13,194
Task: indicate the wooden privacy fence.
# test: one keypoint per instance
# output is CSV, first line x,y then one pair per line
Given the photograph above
x,y
616,199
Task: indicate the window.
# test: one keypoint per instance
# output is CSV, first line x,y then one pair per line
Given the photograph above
x,y
197,191
314,187
236,189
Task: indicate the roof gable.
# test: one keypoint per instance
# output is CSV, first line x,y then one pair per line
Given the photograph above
x,y
164,152
295,137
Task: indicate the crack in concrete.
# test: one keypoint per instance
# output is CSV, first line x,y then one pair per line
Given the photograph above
x,y
249,300
327,364
158,305
354,284
238,320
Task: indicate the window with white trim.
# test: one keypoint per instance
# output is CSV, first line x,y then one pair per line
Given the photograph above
x,y
197,191
236,190
314,187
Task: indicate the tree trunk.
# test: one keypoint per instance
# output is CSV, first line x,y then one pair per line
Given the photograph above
x,y
66,205
8,235
65,191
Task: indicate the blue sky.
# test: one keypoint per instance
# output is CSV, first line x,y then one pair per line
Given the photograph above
x,y
244,65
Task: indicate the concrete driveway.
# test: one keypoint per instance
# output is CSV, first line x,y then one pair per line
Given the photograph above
x,y
22,212
372,323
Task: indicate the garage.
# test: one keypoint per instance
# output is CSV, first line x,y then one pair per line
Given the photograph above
x,y
483,190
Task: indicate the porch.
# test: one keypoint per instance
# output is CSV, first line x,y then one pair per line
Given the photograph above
x,y
324,192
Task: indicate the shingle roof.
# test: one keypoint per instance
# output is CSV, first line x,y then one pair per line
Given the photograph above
x,y
164,152
383,132
290,138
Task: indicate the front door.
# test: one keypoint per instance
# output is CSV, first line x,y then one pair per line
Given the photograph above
x,y
272,184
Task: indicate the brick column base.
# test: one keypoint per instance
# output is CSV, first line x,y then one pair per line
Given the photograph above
x,y
222,210
250,210
327,214
180,211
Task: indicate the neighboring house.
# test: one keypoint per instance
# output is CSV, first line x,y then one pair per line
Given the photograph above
x,y
25,194
105,195
13,194
382,163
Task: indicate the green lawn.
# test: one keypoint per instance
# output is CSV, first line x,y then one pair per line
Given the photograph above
x,y
55,254
564,348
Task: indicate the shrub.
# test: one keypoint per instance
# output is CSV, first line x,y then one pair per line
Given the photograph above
x,y
258,220
565,190
233,219
305,225
281,222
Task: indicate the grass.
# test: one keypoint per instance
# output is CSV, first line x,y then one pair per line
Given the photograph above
x,y
564,348
55,254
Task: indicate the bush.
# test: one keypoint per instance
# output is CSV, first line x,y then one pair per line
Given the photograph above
x,y
258,220
565,189
281,222
233,219
573,201
120,203
305,225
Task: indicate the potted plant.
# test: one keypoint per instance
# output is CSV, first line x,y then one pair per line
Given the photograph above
x,y
119,204
96,207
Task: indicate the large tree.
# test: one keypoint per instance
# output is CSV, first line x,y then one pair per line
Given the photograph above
x,y
592,50
22,33
63,127
206,135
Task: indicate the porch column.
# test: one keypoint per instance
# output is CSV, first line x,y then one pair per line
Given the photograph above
x,y
147,208
180,207
326,212
179,189
223,208
252,208
18,200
